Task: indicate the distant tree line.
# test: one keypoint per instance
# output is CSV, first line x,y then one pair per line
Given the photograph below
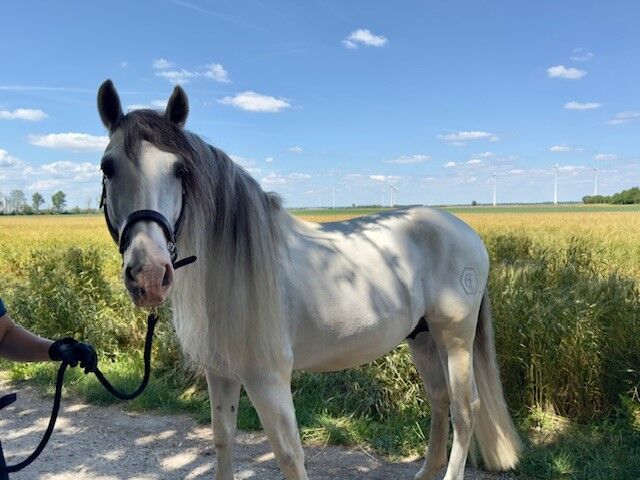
x,y
625,197
16,203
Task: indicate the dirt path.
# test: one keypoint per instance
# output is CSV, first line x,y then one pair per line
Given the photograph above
x,y
108,443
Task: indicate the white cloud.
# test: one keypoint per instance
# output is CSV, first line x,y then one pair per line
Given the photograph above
x,y
49,176
404,159
268,159
216,72
124,64
248,164
385,178
623,117
485,155
460,137
47,184
581,106
8,161
70,140
72,170
570,73
605,156
295,149
177,76
581,55
162,64
154,105
474,161
255,102
516,171
23,114
450,164
299,176
363,36
560,148
273,179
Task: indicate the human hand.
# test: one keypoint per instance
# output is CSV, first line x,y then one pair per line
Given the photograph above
x,y
73,352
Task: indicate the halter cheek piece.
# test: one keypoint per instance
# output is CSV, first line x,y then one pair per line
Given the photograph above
x,y
170,232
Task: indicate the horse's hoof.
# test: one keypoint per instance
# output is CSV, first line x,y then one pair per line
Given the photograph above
x,y
427,473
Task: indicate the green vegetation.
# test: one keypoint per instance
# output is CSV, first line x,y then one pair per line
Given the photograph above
x,y
543,208
625,197
567,318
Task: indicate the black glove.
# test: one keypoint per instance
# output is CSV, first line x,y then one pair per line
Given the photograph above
x,y
71,351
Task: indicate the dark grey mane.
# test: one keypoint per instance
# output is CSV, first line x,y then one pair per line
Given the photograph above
x,y
151,126
215,182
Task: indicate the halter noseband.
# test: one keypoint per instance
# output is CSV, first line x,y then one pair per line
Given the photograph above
x,y
170,232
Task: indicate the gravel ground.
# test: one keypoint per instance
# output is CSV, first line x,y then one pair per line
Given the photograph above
x,y
108,443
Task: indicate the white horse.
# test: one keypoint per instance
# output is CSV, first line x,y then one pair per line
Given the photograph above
x,y
271,293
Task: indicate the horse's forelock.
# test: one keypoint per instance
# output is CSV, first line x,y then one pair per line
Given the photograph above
x,y
150,126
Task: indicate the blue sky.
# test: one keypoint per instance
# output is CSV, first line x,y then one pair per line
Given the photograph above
x,y
433,97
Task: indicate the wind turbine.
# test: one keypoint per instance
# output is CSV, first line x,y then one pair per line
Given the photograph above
x,y
393,191
555,189
494,176
333,198
595,181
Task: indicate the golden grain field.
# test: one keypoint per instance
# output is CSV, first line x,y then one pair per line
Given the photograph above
x,y
613,234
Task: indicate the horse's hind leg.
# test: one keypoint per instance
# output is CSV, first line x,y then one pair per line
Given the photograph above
x,y
427,360
454,339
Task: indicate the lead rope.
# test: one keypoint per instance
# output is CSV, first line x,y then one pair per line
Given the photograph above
x,y
5,469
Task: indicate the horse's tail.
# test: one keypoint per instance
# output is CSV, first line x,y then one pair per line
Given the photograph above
x,y
494,430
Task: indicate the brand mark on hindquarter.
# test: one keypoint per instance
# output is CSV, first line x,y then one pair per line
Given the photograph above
x,y
469,281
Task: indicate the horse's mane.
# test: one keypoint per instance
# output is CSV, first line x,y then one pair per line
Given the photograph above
x,y
226,306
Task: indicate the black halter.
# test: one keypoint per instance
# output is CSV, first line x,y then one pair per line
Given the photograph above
x,y
170,232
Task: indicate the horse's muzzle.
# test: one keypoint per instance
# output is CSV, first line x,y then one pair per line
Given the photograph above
x,y
149,278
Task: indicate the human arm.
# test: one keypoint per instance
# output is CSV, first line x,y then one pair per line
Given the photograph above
x,y
17,343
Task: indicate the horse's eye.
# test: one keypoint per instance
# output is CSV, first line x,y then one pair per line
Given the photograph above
x,y
180,170
108,168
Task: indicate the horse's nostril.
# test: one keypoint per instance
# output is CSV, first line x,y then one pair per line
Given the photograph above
x,y
168,277
128,272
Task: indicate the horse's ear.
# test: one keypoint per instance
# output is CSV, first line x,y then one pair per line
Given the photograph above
x,y
177,107
109,105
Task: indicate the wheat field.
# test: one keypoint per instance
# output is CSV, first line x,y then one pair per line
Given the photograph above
x,y
564,285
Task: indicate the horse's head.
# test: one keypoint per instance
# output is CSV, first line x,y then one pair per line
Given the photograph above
x,y
143,168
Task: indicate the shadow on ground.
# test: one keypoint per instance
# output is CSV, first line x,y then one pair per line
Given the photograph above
x,y
101,443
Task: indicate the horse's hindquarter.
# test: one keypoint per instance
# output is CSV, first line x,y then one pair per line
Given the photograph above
x,y
353,290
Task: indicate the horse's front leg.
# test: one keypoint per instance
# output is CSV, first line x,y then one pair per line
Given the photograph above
x,y
224,394
270,393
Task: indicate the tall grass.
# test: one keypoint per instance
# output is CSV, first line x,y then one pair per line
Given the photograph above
x,y
568,334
